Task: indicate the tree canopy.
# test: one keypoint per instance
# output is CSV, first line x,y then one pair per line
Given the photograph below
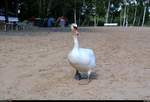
x,y
84,12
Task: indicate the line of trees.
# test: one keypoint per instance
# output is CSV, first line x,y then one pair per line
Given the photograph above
x,y
87,12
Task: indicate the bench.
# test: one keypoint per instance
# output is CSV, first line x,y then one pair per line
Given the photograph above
x,y
110,24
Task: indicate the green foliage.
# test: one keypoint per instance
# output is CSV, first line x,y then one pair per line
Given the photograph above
x,y
57,8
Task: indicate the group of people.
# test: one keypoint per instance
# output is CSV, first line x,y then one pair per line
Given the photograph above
x,y
49,22
61,21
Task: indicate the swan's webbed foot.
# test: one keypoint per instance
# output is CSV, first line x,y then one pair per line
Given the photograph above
x,y
77,75
87,81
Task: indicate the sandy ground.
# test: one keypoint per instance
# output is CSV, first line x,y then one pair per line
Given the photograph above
x,y
33,65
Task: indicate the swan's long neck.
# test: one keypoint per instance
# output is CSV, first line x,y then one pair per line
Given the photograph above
x,y
76,42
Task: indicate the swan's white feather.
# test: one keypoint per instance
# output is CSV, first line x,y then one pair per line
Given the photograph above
x,y
82,59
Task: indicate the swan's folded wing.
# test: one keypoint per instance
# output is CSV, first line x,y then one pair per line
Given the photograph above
x,y
87,57
92,63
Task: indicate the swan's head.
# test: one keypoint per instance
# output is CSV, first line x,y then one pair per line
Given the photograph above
x,y
74,29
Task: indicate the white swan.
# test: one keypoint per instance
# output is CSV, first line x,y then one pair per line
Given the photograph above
x,y
82,59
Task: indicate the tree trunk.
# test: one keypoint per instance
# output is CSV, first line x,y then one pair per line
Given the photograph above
x,y
121,18
135,16
94,21
75,18
139,20
124,17
107,13
49,7
75,12
6,14
79,18
40,7
143,20
127,12
44,8
6,11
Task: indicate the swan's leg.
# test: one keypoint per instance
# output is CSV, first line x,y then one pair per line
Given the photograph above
x,y
86,82
89,73
77,75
